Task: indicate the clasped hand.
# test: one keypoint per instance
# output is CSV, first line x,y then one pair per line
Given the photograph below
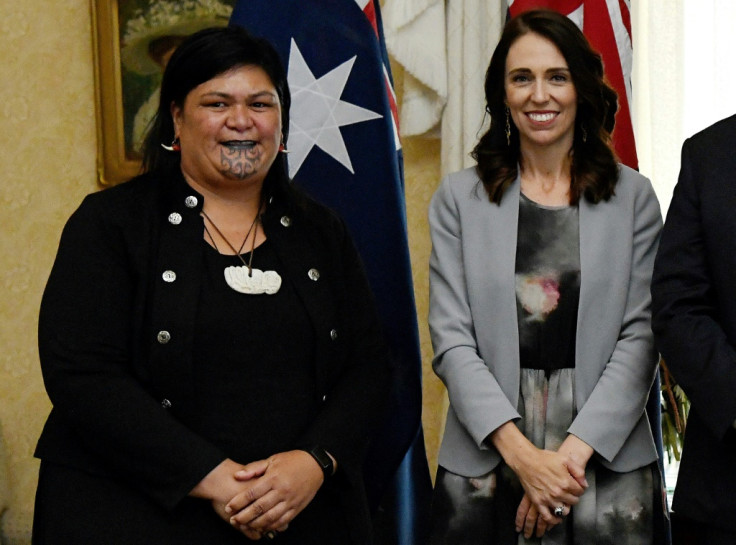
x,y
550,479
264,495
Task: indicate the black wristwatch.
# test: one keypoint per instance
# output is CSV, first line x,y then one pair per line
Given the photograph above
x,y
323,459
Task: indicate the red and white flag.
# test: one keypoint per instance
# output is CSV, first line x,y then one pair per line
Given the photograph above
x,y
607,25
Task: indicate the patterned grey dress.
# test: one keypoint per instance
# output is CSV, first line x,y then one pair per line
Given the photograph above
x,y
617,508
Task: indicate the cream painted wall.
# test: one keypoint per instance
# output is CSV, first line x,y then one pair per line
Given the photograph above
x,y
422,174
47,151
47,147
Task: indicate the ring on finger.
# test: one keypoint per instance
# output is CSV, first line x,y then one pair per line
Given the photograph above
x,y
271,534
560,511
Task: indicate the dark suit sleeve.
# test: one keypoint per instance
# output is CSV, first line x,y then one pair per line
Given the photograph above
x,y
104,418
686,318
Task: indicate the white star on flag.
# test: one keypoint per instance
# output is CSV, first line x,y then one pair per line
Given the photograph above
x,y
317,113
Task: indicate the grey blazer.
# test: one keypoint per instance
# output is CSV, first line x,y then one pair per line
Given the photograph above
x,y
474,329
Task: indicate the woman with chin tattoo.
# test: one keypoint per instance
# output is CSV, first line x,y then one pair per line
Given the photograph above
x,y
540,311
207,336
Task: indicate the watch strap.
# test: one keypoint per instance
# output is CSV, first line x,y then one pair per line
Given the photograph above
x,y
323,459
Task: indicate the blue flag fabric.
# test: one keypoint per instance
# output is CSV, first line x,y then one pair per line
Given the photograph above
x,y
344,150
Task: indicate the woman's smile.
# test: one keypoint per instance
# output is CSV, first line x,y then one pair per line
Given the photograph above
x,y
541,117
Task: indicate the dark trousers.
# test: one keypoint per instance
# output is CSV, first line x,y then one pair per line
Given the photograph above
x,y
687,531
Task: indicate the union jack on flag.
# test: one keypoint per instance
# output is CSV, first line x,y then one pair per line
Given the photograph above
x,y
607,25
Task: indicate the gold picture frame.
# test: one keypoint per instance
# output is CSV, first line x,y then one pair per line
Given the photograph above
x,y
126,76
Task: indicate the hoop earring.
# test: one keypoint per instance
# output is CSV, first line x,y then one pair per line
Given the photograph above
x,y
508,127
175,145
282,148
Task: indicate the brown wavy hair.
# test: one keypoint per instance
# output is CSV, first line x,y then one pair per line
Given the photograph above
x,y
594,170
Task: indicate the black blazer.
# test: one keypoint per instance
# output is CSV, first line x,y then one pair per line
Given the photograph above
x,y
694,319
115,338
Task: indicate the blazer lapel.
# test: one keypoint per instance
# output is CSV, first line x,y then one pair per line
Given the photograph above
x,y
600,289
493,297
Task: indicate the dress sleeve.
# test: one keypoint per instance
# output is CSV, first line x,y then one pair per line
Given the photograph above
x,y
95,378
356,400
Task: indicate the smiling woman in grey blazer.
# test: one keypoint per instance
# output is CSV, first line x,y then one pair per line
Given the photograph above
x,y
540,311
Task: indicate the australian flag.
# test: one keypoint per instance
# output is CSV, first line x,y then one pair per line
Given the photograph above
x,y
344,150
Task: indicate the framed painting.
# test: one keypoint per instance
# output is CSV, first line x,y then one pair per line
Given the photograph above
x,y
132,41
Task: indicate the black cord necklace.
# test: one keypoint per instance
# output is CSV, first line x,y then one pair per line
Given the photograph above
x,y
246,279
